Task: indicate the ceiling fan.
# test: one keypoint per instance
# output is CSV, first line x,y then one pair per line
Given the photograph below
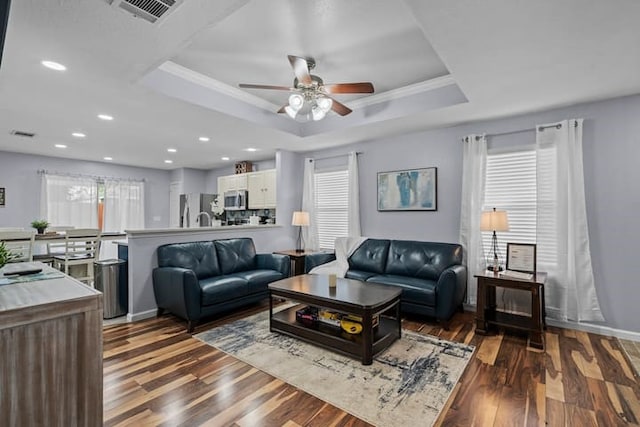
x,y
310,97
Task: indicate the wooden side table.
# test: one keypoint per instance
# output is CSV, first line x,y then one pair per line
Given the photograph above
x,y
487,315
297,260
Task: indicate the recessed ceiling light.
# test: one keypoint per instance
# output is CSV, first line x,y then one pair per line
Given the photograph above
x,y
60,146
171,150
105,117
78,134
251,149
204,139
108,158
168,161
225,158
53,65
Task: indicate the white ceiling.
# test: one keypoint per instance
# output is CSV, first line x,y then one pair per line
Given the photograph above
x,y
433,63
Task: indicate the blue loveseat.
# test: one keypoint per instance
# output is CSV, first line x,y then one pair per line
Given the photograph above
x,y
431,275
199,279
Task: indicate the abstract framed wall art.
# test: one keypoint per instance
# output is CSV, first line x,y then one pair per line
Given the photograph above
x,y
408,190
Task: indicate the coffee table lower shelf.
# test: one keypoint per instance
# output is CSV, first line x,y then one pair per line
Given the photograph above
x,y
384,335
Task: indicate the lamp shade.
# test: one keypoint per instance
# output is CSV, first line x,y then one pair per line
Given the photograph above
x,y
300,218
494,221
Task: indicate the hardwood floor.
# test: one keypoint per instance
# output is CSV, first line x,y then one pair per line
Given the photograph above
x,y
157,374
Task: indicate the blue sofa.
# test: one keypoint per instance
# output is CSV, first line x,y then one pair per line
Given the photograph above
x,y
431,275
199,279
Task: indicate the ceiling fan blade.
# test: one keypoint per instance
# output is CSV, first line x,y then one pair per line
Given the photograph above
x,y
364,87
252,86
340,108
300,69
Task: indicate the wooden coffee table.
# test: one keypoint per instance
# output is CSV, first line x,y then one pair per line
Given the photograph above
x,y
348,297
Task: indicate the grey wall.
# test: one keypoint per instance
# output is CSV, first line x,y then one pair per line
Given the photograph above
x,y
611,145
18,174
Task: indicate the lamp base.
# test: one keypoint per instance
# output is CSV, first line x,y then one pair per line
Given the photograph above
x,y
492,268
299,251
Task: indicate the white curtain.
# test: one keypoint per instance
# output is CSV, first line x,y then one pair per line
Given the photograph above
x,y
69,200
123,205
310,233
354,196
474,166
562,223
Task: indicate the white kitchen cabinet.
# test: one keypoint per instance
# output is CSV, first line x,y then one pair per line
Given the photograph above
x,y
262,189
232,182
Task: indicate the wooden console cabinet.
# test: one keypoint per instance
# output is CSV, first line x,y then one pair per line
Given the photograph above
x,y
50,353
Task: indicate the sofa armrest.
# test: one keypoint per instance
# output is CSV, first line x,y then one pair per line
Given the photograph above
x,y
314,260
450,291
278,262
178,291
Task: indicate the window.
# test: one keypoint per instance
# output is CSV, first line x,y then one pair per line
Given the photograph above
x,y
512,185
331,190
92,202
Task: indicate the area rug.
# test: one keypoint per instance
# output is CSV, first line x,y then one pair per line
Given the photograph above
x,y
408,383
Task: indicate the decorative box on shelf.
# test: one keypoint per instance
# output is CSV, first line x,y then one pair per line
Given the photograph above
x,y
244,167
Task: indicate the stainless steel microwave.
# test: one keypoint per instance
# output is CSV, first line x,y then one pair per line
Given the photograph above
x,y
235,200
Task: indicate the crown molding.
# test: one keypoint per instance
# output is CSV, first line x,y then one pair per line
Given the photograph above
x,y
216,85
403,92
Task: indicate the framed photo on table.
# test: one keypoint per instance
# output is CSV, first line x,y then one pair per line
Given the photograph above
x,y
521,257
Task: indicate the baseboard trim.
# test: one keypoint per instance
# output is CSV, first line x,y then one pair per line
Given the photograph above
x,y
142,315
596,329
584,327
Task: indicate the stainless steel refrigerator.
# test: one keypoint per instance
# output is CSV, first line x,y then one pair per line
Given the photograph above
x,y
195,210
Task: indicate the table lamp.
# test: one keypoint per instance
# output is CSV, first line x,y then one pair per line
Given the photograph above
x,y
494,221
300,219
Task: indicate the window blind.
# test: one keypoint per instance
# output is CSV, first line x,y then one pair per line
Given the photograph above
x,y
332,192
511,185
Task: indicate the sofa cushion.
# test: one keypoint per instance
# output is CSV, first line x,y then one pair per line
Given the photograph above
x,y
216,290
236,255
201,257
414,289
425,260
258,280
358,275
371,256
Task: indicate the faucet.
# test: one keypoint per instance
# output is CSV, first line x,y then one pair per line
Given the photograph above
x,y
205,214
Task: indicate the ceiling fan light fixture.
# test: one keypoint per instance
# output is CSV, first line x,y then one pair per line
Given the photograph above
x,y
318,113
324,103
296,101
290,112
310,99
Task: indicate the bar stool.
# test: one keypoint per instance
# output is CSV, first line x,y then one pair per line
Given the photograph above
x,y
20,243
82,248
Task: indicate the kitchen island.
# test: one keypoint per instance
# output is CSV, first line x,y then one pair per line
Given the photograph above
x,y
142,245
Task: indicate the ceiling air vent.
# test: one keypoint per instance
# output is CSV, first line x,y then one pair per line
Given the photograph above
x,y
23,133
149,10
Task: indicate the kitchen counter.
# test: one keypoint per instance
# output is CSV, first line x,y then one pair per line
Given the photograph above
x,y
194,230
